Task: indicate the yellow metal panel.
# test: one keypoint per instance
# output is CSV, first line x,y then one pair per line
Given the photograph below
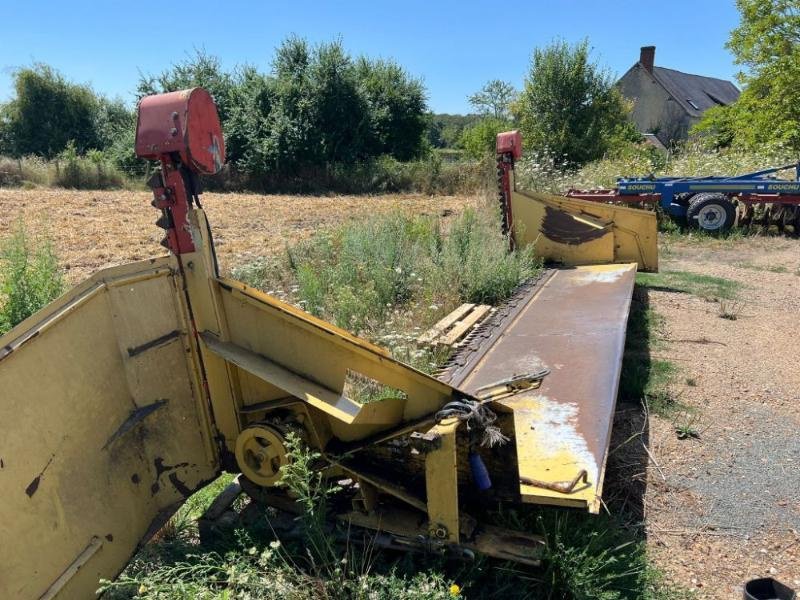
x,y
199,270
575,325
322,354
100,431
441,484
580,232
385,412
530,218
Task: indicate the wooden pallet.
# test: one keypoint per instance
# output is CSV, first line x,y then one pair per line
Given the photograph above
x,y
455,326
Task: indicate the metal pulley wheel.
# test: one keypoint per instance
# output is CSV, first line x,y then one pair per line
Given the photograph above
x,y
261,452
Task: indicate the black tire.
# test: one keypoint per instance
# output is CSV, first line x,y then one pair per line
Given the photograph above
x,y
711,212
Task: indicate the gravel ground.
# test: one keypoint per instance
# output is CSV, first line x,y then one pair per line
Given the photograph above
x,y
725,508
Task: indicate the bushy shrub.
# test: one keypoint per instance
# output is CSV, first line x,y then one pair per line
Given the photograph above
x,y
10,172
429,175
479,140
25,170
92,171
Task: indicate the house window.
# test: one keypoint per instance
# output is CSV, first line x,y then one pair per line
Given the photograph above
x,y
694,106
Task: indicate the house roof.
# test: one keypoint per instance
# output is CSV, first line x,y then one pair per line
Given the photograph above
x,y
696,93
652,139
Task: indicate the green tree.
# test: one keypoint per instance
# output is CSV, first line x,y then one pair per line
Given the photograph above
x,y
767,44
444,130
249,142
317,107
340,110
396,106
198,70
46,112
479,139
569,105
494,99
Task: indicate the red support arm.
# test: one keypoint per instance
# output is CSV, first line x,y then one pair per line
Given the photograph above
x,y
182,131
509,149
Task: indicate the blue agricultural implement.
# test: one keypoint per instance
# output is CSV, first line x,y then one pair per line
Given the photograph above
x,y
716,203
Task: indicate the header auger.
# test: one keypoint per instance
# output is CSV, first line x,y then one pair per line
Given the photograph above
x,y
143,383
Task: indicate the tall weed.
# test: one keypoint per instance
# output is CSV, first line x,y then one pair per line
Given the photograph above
x,y
391,274
550,174
384,174
29,276
92,171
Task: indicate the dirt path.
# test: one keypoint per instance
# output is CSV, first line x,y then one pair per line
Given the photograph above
x,y
727,507
96,229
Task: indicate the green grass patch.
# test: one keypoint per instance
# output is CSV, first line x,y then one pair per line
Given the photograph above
x,y
585,557
29,276
644,378
252,563
392,276
707,287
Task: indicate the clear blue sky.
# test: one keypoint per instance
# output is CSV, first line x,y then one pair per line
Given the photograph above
x,y
454,46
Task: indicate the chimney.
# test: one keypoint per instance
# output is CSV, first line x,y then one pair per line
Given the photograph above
x,y
647,57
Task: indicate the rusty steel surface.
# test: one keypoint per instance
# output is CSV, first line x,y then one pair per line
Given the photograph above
x,y
573,321
567,229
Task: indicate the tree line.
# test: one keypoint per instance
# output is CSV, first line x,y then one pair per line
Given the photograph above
x,y
320,110
317,106
766,44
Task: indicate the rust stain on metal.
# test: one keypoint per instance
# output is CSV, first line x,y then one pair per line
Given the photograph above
x,y
134,419
562,227
572,323
161,468
34,485
179,485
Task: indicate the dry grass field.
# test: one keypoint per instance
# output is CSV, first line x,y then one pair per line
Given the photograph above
x,y
96,229
722,502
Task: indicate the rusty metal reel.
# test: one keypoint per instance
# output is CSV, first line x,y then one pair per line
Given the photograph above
x,y
260,453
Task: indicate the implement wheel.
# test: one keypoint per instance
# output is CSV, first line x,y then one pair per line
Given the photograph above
x,y
710,212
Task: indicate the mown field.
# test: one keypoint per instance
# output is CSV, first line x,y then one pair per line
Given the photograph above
x,y
705,417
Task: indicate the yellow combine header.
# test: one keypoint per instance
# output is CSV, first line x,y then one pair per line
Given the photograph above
x,y
142,384
569,231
